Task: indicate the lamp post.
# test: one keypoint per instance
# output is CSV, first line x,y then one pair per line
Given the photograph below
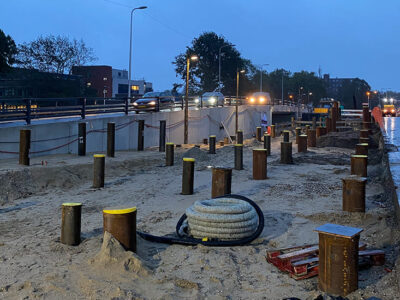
x,y
219,64
308,97
368,93
237,100
188,59
261,67
130,50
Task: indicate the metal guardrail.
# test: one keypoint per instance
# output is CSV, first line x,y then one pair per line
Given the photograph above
x,y
39,108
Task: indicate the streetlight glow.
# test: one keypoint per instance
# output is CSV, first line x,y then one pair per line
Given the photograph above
x,y
194,57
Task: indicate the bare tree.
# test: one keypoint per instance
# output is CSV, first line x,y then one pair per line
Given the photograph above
x,y
56,54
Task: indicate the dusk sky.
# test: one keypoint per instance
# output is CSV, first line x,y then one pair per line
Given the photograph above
x,y
346,38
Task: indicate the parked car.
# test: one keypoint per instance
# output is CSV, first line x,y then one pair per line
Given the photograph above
x,y
210,99
154,101
260,98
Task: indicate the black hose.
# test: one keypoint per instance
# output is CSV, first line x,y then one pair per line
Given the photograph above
x,y
181,240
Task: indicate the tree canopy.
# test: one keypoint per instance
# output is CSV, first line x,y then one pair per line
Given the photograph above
x,y
55,54
8,50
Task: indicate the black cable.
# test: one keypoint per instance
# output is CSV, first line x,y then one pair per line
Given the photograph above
x,y
181,240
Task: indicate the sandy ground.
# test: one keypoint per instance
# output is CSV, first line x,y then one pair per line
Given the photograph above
x,y
295,200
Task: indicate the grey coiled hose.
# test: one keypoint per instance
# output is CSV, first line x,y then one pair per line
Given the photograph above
x,y
222,218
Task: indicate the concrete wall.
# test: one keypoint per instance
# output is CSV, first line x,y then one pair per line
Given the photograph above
x,y
202,123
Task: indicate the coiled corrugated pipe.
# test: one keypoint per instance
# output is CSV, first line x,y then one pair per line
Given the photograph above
x,y
222,218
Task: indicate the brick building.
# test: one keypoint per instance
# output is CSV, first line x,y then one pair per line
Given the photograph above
x,y
97,78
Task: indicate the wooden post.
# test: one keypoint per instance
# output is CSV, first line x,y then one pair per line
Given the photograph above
x,y
82,139
239,137
311,138
163,131
212,142
71,223
188,176
259,164
121,223
302,145
298,133
24,146
221,181
238,157
111,139
362,149
140,142
286,153
354,193
359,165
258,134
267,143
98,170
338,259
169,154
286,134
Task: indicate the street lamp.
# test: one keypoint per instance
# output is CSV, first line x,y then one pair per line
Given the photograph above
x,y
188,59
130,50
308,97
237,100
261,66
219,64
368,94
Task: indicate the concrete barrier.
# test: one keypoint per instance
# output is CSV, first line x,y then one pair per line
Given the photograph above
x,y
61,136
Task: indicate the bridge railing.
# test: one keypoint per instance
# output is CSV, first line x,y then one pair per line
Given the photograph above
x,y
40,108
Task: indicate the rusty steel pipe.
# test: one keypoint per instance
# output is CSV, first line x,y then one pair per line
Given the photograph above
x,y
239,137
302,145
359,165
82,139
286,135
140,137
71,223
364,133
286,153
298,133
221,181
312,138
364,140
267,143
221,143
328,124
259,164
273,131
121,223
188,176
362,149
338,259
205,141
169,154
354,193
110,139
366,114
24,146
212,142
238,157
226,140
98,170
258,134
162,137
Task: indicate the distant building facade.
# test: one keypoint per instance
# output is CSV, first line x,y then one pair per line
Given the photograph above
x,y
30,83
334,85
98,79
120,85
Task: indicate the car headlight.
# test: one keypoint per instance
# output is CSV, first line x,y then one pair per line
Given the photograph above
x,y
212,100
135,104
393,110
252,99
385,110
196,100
152,103
262,99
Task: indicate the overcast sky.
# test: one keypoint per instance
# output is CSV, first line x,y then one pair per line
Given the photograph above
x,y
346,38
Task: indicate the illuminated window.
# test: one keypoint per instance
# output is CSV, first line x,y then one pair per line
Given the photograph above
x,y
88,84
105,79
134,87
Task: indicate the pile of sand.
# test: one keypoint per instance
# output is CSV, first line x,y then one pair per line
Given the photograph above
x,y
112,256
345,139
196,153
